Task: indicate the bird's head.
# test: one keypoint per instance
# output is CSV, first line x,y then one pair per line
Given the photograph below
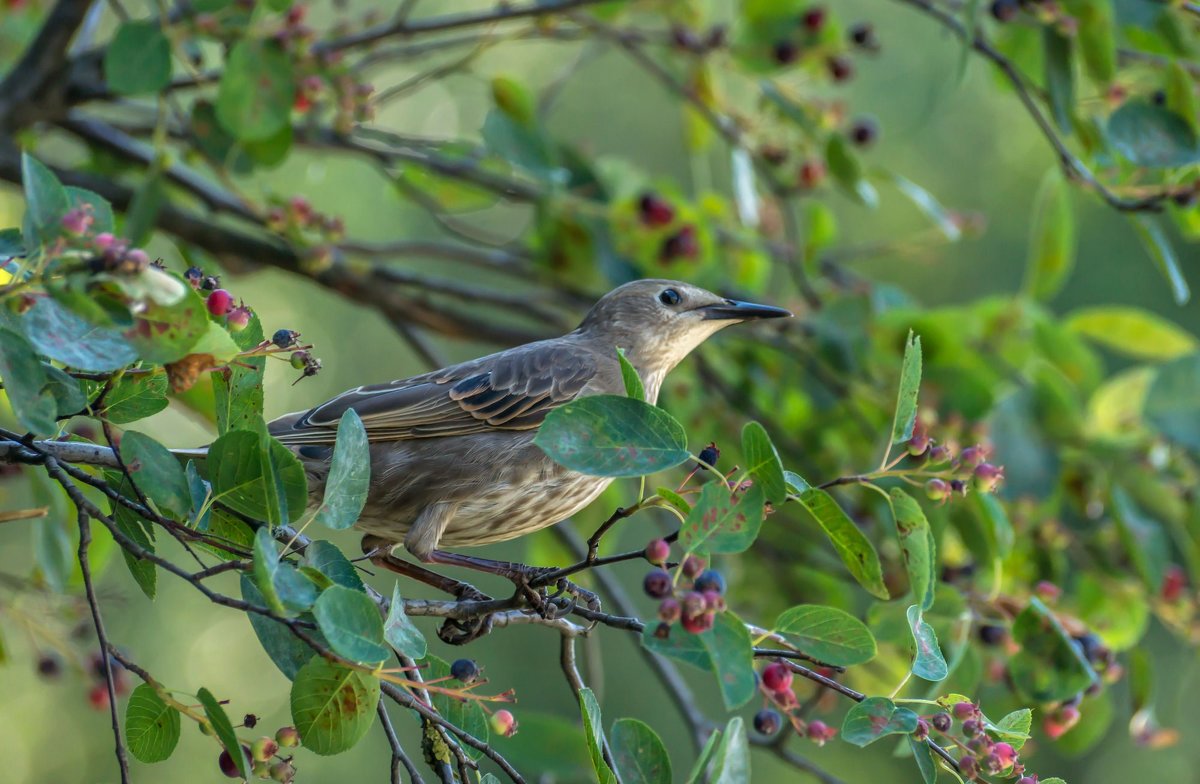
x,y
659,322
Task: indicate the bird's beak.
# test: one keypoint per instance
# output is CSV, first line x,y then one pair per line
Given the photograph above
x,y
732,310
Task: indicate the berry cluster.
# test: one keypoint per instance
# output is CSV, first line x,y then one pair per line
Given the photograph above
x,y
693,600
981,753
948,471
700,42
264,755
297,219
680,240
775,683
48,666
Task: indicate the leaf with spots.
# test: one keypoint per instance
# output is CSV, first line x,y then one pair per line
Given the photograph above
x,y
928,661
875,718
610,435
916,545
332,706
852,545
721,522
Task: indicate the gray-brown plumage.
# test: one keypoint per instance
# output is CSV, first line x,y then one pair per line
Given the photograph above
x,y
453,462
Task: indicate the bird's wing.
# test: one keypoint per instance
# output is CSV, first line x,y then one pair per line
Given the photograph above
x,y
513,390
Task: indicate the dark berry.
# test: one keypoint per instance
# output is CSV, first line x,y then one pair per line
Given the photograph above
x,y
968,767
864,132
965,710
693,565
283,772
657,583
655,210
1092,648
49,665
777,677
219,302
922,730
1158,98
941,722
193,276
717,37
710,454
767,722
990,634
694,604
814,19
210,283
812,173
285,338
662,631
249,721
862,35
710,580
972,727
1005,10
684,38
840,68
786,52
465,670
228,766
681,244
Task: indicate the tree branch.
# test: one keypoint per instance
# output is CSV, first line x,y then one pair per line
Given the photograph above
x,y
32,88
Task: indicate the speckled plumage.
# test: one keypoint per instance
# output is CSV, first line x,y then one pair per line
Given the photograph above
x,y
453,462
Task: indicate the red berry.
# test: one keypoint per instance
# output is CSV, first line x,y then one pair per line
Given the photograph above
x,y
669,610
238,319
658,551
819,732
697,624
814,19
504,723
812,173
681,244
777,677
692,566
1047,591
1174,583
840,68
965,710
972,456
98,696
219,302
655,210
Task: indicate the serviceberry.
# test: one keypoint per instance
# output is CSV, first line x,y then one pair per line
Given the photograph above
x,y
669,610
504,723
465,670
709,455
657,583
658,551
288,737
941,722
767,722
219,302
710,580
263,749
285,338
776,677
655,210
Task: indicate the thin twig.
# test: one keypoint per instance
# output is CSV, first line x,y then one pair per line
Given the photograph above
x,y
399,758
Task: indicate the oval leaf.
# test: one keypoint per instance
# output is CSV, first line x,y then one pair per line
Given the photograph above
x,y
763,463
400,632
157,473
1051,238
721,523
609,435
151,726
1132,331
827,634
254,100
639,754
874,718
593,730
928,661
138,60
916,545
332,706
905,419
1154,136
852,545
349,474
350,622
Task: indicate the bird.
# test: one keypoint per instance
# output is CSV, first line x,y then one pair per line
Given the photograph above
x,y
453,459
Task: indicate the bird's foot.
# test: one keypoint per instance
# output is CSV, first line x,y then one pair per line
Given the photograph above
x,y
460,631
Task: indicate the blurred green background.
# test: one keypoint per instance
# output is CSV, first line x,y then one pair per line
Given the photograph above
x,y
969,143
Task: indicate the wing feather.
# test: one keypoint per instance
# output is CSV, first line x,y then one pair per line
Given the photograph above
x,y
513,390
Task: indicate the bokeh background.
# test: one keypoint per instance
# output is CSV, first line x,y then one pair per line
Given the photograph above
x,y
967,141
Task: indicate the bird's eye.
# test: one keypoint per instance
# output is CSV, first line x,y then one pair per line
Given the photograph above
x,y
669,297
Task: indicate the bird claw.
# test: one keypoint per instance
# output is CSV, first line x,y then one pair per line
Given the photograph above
x,y
460,632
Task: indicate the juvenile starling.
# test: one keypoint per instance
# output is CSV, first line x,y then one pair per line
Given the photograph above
x,y
453,463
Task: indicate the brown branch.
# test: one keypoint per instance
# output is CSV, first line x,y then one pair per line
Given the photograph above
x,y
399,758
32,88
85,541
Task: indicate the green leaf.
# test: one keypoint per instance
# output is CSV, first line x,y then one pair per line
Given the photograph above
x,y
53,550
905,419
731,760
1014,728
332,706
138,60
875,718
852,545
223,728
827,634
1152,237
282,586
916,545
1143,539
996,528
763,463
257,476
731,652
593,730
12,245
157,473
102,212
639,754
25,385
349,475
350,622
1097,37
144,573
1181,95
135,397
609,435
1051,238
400,632
674,499
151,726
1152,136
924,759
928,661
629,374
287,651
680,645
1051,780
1131,331
466,714
1172,404
238,393
66,391
327,559
1049,667
847,172
167,333
61,335
719,523
796,484
46,201
1060,76
254,99
142,215
704,758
